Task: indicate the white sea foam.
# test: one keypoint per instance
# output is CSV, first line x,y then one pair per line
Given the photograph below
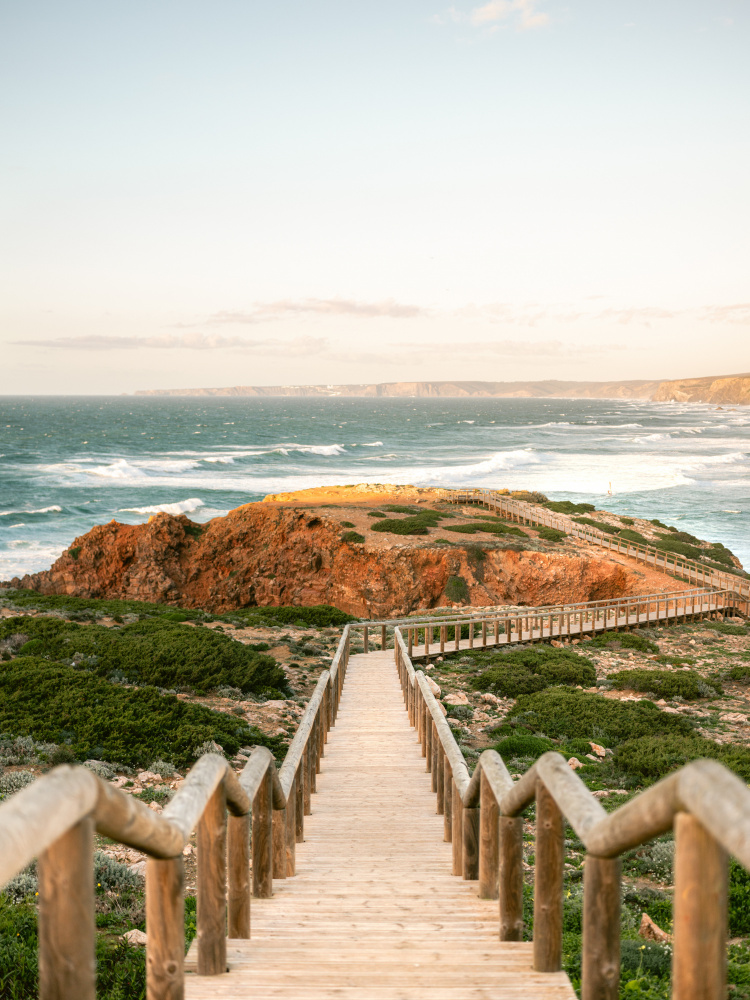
x,y
182,507
372,444
41,510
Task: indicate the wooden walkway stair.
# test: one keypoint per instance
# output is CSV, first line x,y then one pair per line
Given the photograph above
x,y
373,910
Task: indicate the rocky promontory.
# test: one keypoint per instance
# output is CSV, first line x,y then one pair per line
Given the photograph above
x,y
344,546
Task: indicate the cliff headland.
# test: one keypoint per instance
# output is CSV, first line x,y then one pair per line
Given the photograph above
x,y
373,551
719,389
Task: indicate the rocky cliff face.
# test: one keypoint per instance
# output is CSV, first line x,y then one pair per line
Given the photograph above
x,y
268,554
723,389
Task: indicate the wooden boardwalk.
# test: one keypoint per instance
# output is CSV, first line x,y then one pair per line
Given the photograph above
x,y
373,911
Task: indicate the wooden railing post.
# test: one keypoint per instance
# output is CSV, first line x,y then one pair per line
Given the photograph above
x,y
290,846
165,927
306,789
262,842
67,930
238,863
439,769
457,839
299,809
434,741
700,913
447,800
548,883
489,848
211,885
600,979
279,843
470,829
511,878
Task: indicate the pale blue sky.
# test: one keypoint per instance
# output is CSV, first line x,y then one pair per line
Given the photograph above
x,y
239,192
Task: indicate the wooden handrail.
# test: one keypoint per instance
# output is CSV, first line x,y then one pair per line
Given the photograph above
x,y
54,819
707,805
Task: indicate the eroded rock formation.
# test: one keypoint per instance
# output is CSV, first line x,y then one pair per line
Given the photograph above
x,y
276,554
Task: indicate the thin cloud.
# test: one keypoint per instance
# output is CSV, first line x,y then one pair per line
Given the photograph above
x,y
739,313
301,346
522,12
268,312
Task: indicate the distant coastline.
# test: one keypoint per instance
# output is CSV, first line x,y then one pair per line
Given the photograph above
x,y
718,389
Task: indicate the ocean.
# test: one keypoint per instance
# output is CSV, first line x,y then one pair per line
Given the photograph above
x,y
69,463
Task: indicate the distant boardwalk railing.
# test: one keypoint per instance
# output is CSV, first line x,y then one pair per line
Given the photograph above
x,y
449,632
668,562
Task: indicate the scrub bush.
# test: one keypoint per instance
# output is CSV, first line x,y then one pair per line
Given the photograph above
x,y
523,745
551,534
651,757
726,629
352,536
600,525
56,702
623,640
665,683
162,653
568,507
532,668
562,712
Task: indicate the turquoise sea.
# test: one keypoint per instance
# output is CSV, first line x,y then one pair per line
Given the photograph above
x,y
68,463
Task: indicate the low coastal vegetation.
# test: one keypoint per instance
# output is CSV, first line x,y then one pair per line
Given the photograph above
x,y
87,717
160,653
522,671
631,708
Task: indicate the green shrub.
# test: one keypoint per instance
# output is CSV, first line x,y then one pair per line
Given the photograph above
x,y
568,507
406,526
726,629
347,524
644,958
652,757
13,781
523,745
551,534
375,513
660,524
75,552
161,653
623,640
457,590
533,668
739,899
489,527
627,520
96,606
462,712
562,712
58,703
599,525
679,548
313,616
665,683
633,536
352,536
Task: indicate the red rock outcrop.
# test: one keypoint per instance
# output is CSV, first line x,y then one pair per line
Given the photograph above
x,y
273,554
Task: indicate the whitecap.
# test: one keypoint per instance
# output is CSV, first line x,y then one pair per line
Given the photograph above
x,y
182,507
372,444
41,510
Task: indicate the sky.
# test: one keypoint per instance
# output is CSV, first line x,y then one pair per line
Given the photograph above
x,y
245,193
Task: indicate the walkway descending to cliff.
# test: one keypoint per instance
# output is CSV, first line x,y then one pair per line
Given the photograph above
x,y
373,910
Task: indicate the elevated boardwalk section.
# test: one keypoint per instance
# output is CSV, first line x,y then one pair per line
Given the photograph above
x,y
373,911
